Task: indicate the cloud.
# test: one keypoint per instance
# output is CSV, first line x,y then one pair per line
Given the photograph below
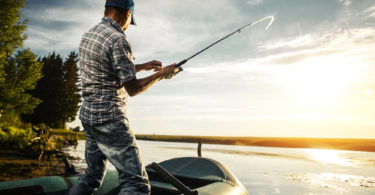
x,y
346,2
349,52
164,28
254,2
245,82
167,28
302,41
59,25
370,12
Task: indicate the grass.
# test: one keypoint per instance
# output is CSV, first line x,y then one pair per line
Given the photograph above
x,y
15,138
68,133
33,152
37,140
320,143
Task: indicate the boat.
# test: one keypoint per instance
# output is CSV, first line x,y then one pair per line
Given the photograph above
x,y
185,175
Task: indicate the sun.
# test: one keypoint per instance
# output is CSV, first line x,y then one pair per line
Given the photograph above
x,y
368,92
322,81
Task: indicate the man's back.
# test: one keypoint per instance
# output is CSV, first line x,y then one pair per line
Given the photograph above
x,y
108,78
106,62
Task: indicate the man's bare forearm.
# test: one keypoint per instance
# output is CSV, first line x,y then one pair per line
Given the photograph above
x,y
140,67
152,65
137,86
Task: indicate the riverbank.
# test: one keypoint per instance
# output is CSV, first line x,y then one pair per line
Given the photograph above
x,y
18,165
28,153
15,165
367,145
80,135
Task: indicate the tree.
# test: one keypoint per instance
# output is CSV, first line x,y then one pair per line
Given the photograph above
x,y
50,90
19,69
58,90
72,89
22,73
11,36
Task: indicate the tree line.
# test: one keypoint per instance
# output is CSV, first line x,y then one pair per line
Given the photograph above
x,y
36,90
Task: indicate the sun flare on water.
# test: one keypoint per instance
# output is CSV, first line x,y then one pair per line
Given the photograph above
x,y
325,156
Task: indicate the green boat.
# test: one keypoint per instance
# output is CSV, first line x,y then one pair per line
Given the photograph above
x,y
186,175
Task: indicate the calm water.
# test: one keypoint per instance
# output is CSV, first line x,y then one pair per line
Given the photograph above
x,y
267,170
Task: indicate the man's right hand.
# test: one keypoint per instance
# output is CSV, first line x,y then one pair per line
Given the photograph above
x,y
170,71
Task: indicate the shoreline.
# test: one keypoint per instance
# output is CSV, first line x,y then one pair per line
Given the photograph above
x,y
16,165
364,145
40,155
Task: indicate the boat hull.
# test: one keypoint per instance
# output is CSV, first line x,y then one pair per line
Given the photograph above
x,y
203,174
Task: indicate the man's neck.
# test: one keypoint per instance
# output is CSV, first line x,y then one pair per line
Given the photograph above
x,y
117,19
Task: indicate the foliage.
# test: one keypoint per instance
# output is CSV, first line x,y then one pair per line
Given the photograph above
x,y
22,73
19,69
49,89
71,84
68,134
37,140
58,90
11,36
14,138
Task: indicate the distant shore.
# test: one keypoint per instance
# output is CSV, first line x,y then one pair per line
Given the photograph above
x,y
367,145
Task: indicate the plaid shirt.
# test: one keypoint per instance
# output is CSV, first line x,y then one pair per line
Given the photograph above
x,y
106,63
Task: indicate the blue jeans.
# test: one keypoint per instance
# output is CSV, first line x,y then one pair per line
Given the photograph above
x,y
116,142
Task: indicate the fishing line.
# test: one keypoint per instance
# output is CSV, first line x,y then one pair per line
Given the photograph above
x,y
272,18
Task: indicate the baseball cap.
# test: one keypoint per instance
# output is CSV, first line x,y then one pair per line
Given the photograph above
x,y
123,4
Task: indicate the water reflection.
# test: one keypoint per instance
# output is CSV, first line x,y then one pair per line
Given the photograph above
x,y
334,181
267,170
337,157
323,156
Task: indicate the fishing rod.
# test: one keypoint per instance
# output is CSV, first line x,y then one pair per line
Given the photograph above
x,y
272,18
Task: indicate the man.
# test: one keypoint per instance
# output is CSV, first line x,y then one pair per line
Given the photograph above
x,y
108,77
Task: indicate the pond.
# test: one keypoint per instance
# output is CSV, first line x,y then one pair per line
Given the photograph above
x,y
268,170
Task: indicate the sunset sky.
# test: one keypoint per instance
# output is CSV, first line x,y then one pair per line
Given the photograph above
x,y
311,74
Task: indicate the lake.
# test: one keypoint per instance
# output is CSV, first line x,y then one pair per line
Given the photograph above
x,y
269,170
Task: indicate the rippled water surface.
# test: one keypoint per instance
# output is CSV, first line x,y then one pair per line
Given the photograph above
x,y
267,170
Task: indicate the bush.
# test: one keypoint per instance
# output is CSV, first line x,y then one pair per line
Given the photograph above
x,y
37,139
15,138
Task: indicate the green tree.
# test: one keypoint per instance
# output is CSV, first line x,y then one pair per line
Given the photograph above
x,y
19,69
50,89
11,36
58,90
22,73
72,88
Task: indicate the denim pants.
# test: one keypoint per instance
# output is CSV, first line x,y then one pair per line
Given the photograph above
x,y
115,142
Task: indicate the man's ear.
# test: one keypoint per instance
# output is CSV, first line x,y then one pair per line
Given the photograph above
x,y
129,13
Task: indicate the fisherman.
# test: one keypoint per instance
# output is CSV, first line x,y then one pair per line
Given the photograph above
x,y
108,77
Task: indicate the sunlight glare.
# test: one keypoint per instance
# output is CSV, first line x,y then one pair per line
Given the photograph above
x,y
369,92
334,181
330,157
320,81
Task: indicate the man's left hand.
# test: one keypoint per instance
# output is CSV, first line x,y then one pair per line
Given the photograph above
x,y
153,65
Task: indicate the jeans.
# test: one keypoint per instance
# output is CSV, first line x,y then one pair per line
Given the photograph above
x,y
116,142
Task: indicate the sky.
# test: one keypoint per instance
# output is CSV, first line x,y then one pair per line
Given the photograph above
x,y
311,74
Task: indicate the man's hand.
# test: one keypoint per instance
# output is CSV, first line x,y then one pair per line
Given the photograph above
x,y
137,86
152,65
170,71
